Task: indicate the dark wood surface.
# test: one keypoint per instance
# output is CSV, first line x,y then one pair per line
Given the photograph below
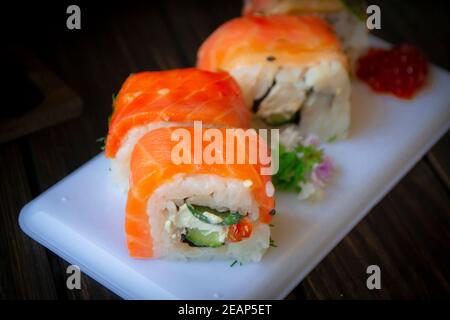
x,y
58,102
407,234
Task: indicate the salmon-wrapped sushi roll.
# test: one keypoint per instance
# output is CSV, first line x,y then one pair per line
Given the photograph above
x,y
151,100
291,69
347,21
196,211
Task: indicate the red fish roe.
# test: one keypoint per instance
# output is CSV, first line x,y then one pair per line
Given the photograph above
x,y
400,71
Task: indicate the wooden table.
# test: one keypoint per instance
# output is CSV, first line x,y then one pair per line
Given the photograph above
x,y
407,234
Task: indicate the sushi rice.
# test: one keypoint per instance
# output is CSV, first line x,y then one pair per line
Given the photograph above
x,y
320,93
223,194
120,165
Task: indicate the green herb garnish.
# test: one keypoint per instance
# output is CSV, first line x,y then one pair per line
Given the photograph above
x,y
102,140
295,167
272,243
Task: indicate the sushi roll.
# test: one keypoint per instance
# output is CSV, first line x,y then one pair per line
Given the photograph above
x,y
347,20
195,211
151,100
291,69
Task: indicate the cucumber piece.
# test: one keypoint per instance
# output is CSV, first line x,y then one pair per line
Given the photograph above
x,y
212,216
199,238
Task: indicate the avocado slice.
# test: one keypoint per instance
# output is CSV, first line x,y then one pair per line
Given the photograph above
x,y
212,216
200,238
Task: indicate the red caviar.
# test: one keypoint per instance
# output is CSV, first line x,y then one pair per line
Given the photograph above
x,y
401,71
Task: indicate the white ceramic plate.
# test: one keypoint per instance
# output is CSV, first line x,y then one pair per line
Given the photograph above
x,y
82,217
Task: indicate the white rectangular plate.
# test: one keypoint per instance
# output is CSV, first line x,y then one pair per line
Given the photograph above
x,y
82,217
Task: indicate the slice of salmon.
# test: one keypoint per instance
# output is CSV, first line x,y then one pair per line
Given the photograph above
x,y
152,167
182,96
282,39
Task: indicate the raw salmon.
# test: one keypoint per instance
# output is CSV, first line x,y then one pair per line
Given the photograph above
x,y
281,39
179,96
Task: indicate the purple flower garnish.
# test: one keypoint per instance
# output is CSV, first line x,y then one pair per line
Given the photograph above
x,y
323,172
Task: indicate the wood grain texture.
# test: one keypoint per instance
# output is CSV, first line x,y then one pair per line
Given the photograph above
x,y
24,266
439,158
407,234
60,103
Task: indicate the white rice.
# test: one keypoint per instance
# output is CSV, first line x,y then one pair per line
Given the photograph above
x,y
120,164
215,192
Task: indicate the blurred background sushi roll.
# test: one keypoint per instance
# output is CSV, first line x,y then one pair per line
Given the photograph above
x,y
291,69
347,17
151,100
